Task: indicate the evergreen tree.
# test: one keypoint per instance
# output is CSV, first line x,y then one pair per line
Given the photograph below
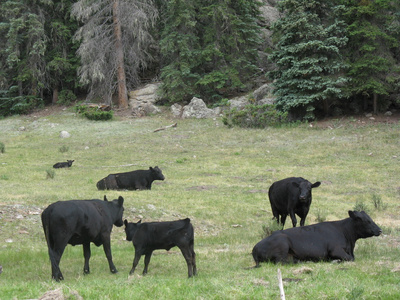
x,y
309,64
179,47
373,30
208,48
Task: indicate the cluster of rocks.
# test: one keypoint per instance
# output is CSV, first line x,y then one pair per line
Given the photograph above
x,y
143,103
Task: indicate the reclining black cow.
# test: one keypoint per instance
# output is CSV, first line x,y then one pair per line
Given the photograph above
x,y
147,237
80,222
134,180
291,196
64,164
322,241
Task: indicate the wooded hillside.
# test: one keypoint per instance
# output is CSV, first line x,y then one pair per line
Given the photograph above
x,y
324,58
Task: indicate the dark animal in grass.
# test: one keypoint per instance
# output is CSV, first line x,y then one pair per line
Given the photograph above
x,y
147,237
319,242
80,222
291,196
64,164
134,180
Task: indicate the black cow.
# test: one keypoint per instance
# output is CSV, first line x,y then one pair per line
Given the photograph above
x,y
291,196
323,241
134,180
79,222
147,237
64,164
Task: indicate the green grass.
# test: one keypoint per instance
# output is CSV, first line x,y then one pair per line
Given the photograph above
x,y
219,177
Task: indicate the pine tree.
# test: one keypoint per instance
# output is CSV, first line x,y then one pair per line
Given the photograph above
x,y
308,56
373,30
208,48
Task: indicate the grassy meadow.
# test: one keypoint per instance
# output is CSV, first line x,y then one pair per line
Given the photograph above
x,y
217,176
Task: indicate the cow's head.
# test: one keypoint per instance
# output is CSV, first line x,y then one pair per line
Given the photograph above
x,y
305,189
130,229
117,211
364,226
70,162
157,173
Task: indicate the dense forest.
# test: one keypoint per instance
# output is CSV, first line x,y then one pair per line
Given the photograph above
x,y
326,57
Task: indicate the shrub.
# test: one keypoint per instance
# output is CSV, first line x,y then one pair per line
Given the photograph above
x,y
255,116
64,149
66,97
269,228
2,147
361,206
11,104
94,113
378,203
50,173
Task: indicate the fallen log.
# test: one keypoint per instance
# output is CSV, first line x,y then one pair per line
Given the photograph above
x,y
165,127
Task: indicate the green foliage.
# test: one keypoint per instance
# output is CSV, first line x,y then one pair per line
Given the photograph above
x,y
269,228
378,202
17,105
361,206
209,49
50,173
66,97
94,113
63,149
308,55
255,116
2,147
374,32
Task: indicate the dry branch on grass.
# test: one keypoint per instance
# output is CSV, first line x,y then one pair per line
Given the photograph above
x,y
165,127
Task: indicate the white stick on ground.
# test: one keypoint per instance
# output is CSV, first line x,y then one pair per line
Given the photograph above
x,y
282,292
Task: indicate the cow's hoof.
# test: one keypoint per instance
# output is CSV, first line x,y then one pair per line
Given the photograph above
x,y
114,271
86,272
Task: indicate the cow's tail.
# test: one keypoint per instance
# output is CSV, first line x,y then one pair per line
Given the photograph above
x,y
46,228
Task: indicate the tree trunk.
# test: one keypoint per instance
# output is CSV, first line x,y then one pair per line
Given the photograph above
x,y
55,96
119,52
375,103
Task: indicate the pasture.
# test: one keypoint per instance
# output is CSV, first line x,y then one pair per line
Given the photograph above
x,y
219,178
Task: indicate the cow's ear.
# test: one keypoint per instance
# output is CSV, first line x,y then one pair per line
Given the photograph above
x,y
354,214
105,198
295,184
150,168
120,200
316,184
140,221
126,222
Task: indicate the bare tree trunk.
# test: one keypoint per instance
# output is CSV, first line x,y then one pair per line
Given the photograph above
x,y
375,103
119,52
55,96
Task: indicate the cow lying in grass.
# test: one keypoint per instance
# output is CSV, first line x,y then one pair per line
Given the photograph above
x,y
66,164
147,237
134,180
322,241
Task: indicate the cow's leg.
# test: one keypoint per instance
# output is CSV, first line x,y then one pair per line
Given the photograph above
x,y
283,220
293,217
138,254
147,261
86,255
107,251
55,254
340,253
187,254
193,260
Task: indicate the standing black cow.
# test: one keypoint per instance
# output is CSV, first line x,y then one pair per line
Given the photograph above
x,y
150,236
79,222
64,164
134,180
322,241
291,196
